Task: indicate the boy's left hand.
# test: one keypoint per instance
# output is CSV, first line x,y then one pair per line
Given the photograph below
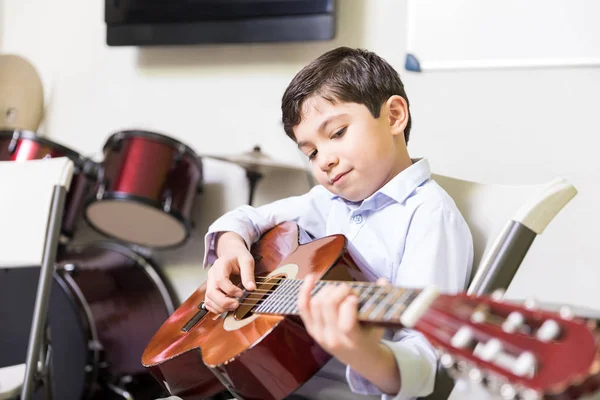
x,y
331,318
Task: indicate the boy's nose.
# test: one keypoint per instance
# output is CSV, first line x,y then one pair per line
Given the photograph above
x,y
328,161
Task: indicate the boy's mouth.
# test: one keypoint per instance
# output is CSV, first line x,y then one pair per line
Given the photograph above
x,y
338,177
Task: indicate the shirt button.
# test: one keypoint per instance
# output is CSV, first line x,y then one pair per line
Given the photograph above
x,y
357,218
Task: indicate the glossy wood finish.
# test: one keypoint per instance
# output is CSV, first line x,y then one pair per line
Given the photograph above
x,y
251,359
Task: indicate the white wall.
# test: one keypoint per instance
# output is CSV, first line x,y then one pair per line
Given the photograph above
x,y
506,126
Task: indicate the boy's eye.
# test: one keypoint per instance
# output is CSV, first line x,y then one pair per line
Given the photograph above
x,y
312,155
339,133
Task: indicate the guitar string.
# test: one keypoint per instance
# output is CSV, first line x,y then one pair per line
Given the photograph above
x,y
261,293
266,279
269,291
261,299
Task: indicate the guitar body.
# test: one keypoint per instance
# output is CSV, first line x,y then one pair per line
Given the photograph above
x,y
253,356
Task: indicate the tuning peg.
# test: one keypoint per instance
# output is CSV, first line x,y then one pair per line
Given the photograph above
x,y
524,364
450,365
548,331
475,375
498,294
513,322
456,368
508,392
492,383
530,394
565,312
478,316
447,361
530,303
462,338
490,350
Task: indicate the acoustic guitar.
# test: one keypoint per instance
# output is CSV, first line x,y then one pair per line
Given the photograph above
x,y
262,351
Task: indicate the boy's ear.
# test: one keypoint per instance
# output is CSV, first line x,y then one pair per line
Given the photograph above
x,y
397,113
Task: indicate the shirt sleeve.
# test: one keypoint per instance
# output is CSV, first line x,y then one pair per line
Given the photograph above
x,y
309,211
438,250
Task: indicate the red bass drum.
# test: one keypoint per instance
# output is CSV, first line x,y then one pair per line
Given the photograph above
x,y
147,186
105,304
113,300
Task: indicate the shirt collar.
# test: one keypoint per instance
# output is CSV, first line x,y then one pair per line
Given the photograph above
x,y
406,182
400,187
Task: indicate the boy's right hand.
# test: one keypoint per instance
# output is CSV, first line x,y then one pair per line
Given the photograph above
x,y
232,257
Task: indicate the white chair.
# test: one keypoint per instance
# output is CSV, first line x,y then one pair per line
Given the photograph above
x,y
504,221
33,195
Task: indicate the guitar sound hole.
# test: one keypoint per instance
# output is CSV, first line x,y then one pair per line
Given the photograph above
x,y
256,297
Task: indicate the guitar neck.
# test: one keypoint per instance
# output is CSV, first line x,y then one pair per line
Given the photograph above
x,y
377,304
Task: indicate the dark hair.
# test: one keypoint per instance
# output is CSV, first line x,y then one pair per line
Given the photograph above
x,y
347,75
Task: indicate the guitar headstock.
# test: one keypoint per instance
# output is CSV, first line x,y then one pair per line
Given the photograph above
x,y
512,350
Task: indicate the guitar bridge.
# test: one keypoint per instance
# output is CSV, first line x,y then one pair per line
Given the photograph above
x,y
196,318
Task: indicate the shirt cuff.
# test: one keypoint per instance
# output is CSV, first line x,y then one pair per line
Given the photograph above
x,y
210,240
417,373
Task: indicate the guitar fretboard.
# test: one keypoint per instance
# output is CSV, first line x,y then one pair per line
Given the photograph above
x,y
376,303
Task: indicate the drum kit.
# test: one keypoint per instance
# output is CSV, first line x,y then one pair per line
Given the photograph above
x,y
108,298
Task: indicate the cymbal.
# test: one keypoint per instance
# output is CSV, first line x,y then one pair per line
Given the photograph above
x,y
21,94
255,160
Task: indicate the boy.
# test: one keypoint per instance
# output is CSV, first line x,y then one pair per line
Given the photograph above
x,y
348,113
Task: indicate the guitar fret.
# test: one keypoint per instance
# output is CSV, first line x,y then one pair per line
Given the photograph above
x,y
413,294
291,296
376,303
278,297
366,308
383,305
363,296
270,305
399,304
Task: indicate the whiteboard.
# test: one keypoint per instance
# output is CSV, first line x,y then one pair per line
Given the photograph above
x,y
472,34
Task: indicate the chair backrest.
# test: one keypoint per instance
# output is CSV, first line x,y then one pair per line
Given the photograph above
x,y
27,189
491,209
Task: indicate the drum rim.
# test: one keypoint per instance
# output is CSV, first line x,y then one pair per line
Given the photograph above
x,y
149,266
120,196
81,307
158,137
31,135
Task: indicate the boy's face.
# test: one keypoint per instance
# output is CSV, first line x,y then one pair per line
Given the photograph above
x,y
351,153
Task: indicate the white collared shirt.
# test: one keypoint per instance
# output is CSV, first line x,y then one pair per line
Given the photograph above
x,y
409,232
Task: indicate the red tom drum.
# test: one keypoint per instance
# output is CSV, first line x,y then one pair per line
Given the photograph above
x,y
147,186
21,145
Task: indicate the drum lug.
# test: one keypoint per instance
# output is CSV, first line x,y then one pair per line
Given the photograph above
x,y
179,155
70,268
12,146
116,145
168,201
100,192
99,176
91,169
95,345
63,239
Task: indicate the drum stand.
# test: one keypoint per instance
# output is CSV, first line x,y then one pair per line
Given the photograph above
x,y
39,351
253,178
